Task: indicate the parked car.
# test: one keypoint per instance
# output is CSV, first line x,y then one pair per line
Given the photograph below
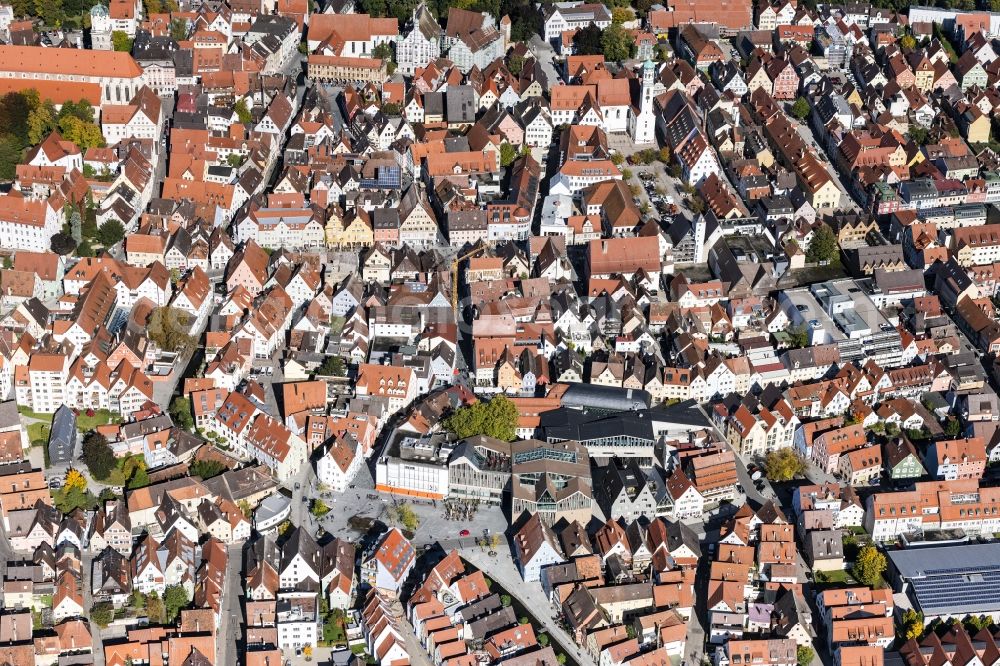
x,y
464,533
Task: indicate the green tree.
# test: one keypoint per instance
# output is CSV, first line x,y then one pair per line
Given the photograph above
x,y
919,134
175,597
621,15
617,43
823,246
869,566
912,624
642,6
137,600
800,109
41,121
406,517
242,111
319,508
333,366
849,543
384,52
23,7
953,427
15,107
392,109
50,11
84,134
62,243
76,226
135,472
206,469
68,500
508,154
102,613
804,655
10,156
515,64
525,16
908,42
645,157
110,232
588,41
180,412
505,600
798,336
120,41
81,110
167,329
154,608
234,160
98,456
783,465
178,29
374,7
543,640
496,418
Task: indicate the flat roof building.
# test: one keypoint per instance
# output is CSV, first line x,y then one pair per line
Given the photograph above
x,y
950,581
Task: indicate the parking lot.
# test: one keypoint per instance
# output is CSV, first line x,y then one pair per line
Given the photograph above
x,y
658,197
660,191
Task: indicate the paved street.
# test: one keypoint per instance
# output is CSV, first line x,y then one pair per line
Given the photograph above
x,y
502,570
230,643
546,56
756,498
807,134
418,655
86,559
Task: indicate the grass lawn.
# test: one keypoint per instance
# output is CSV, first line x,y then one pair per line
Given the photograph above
x,y
358,649
38,431
833,577
117,476
24,411
86,423
333,631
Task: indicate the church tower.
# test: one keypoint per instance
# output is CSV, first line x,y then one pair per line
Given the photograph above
x,y
643,121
